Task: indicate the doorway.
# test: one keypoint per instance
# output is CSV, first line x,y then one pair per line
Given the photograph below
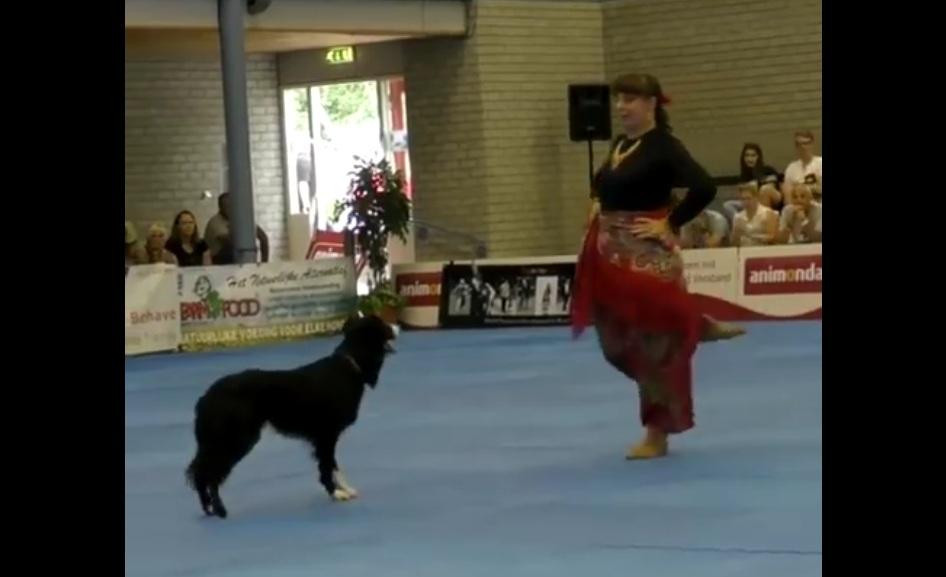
x,y
326,127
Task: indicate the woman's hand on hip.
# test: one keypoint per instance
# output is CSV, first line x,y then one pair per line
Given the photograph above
x,y
651,228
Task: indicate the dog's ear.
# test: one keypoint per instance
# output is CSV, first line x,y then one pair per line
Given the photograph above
x,y
350,323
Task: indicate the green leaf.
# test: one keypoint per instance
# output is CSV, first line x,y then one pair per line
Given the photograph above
x,y
377,207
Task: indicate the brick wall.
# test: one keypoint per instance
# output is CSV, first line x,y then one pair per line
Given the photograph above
x,y
174,132
488,121
488,115
447,144
529,53
738,70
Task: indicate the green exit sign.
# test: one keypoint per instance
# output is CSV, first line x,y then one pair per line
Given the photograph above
x,y
340,55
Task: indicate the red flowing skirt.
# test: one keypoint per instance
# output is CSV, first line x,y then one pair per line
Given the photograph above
x,y
648,325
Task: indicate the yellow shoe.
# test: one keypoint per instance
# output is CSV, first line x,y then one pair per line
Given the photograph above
x,y
647,450
717,331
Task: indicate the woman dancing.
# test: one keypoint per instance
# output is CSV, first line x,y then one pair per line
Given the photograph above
x,y
629,280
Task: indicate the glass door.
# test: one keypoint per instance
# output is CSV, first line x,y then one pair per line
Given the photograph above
x,y
326,128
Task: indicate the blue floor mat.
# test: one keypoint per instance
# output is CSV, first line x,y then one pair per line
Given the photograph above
x,y
495,453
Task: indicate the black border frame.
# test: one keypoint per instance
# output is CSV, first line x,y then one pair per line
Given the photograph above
x,y
878,249
65,384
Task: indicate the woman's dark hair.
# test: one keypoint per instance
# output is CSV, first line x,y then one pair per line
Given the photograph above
x,y
175,228
747,172
645,85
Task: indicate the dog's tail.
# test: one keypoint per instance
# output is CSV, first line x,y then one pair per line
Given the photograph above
x,y
191,474
196,473
196,477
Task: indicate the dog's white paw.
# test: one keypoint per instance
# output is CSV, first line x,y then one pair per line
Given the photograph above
x,y
342,484
342,495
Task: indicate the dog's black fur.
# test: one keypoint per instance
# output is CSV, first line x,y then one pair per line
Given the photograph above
x,y
315,402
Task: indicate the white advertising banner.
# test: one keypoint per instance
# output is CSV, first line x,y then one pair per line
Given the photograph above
x,y
243,304
420,285
781,281
712,272
152,321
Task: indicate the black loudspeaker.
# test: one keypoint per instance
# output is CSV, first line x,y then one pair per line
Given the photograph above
x,y
257,6
589,112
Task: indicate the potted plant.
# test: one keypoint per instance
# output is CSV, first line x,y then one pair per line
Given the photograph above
x,y
374,208
383,301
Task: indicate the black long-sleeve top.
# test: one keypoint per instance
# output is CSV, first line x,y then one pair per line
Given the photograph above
x,y
760,174
644,179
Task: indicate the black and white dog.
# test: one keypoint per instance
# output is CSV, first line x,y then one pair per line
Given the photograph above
x,y
315,402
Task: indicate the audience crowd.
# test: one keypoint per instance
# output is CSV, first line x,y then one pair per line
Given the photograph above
x,y
184,245
772,207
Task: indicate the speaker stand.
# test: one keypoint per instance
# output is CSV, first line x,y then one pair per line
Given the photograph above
x,y
591,164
